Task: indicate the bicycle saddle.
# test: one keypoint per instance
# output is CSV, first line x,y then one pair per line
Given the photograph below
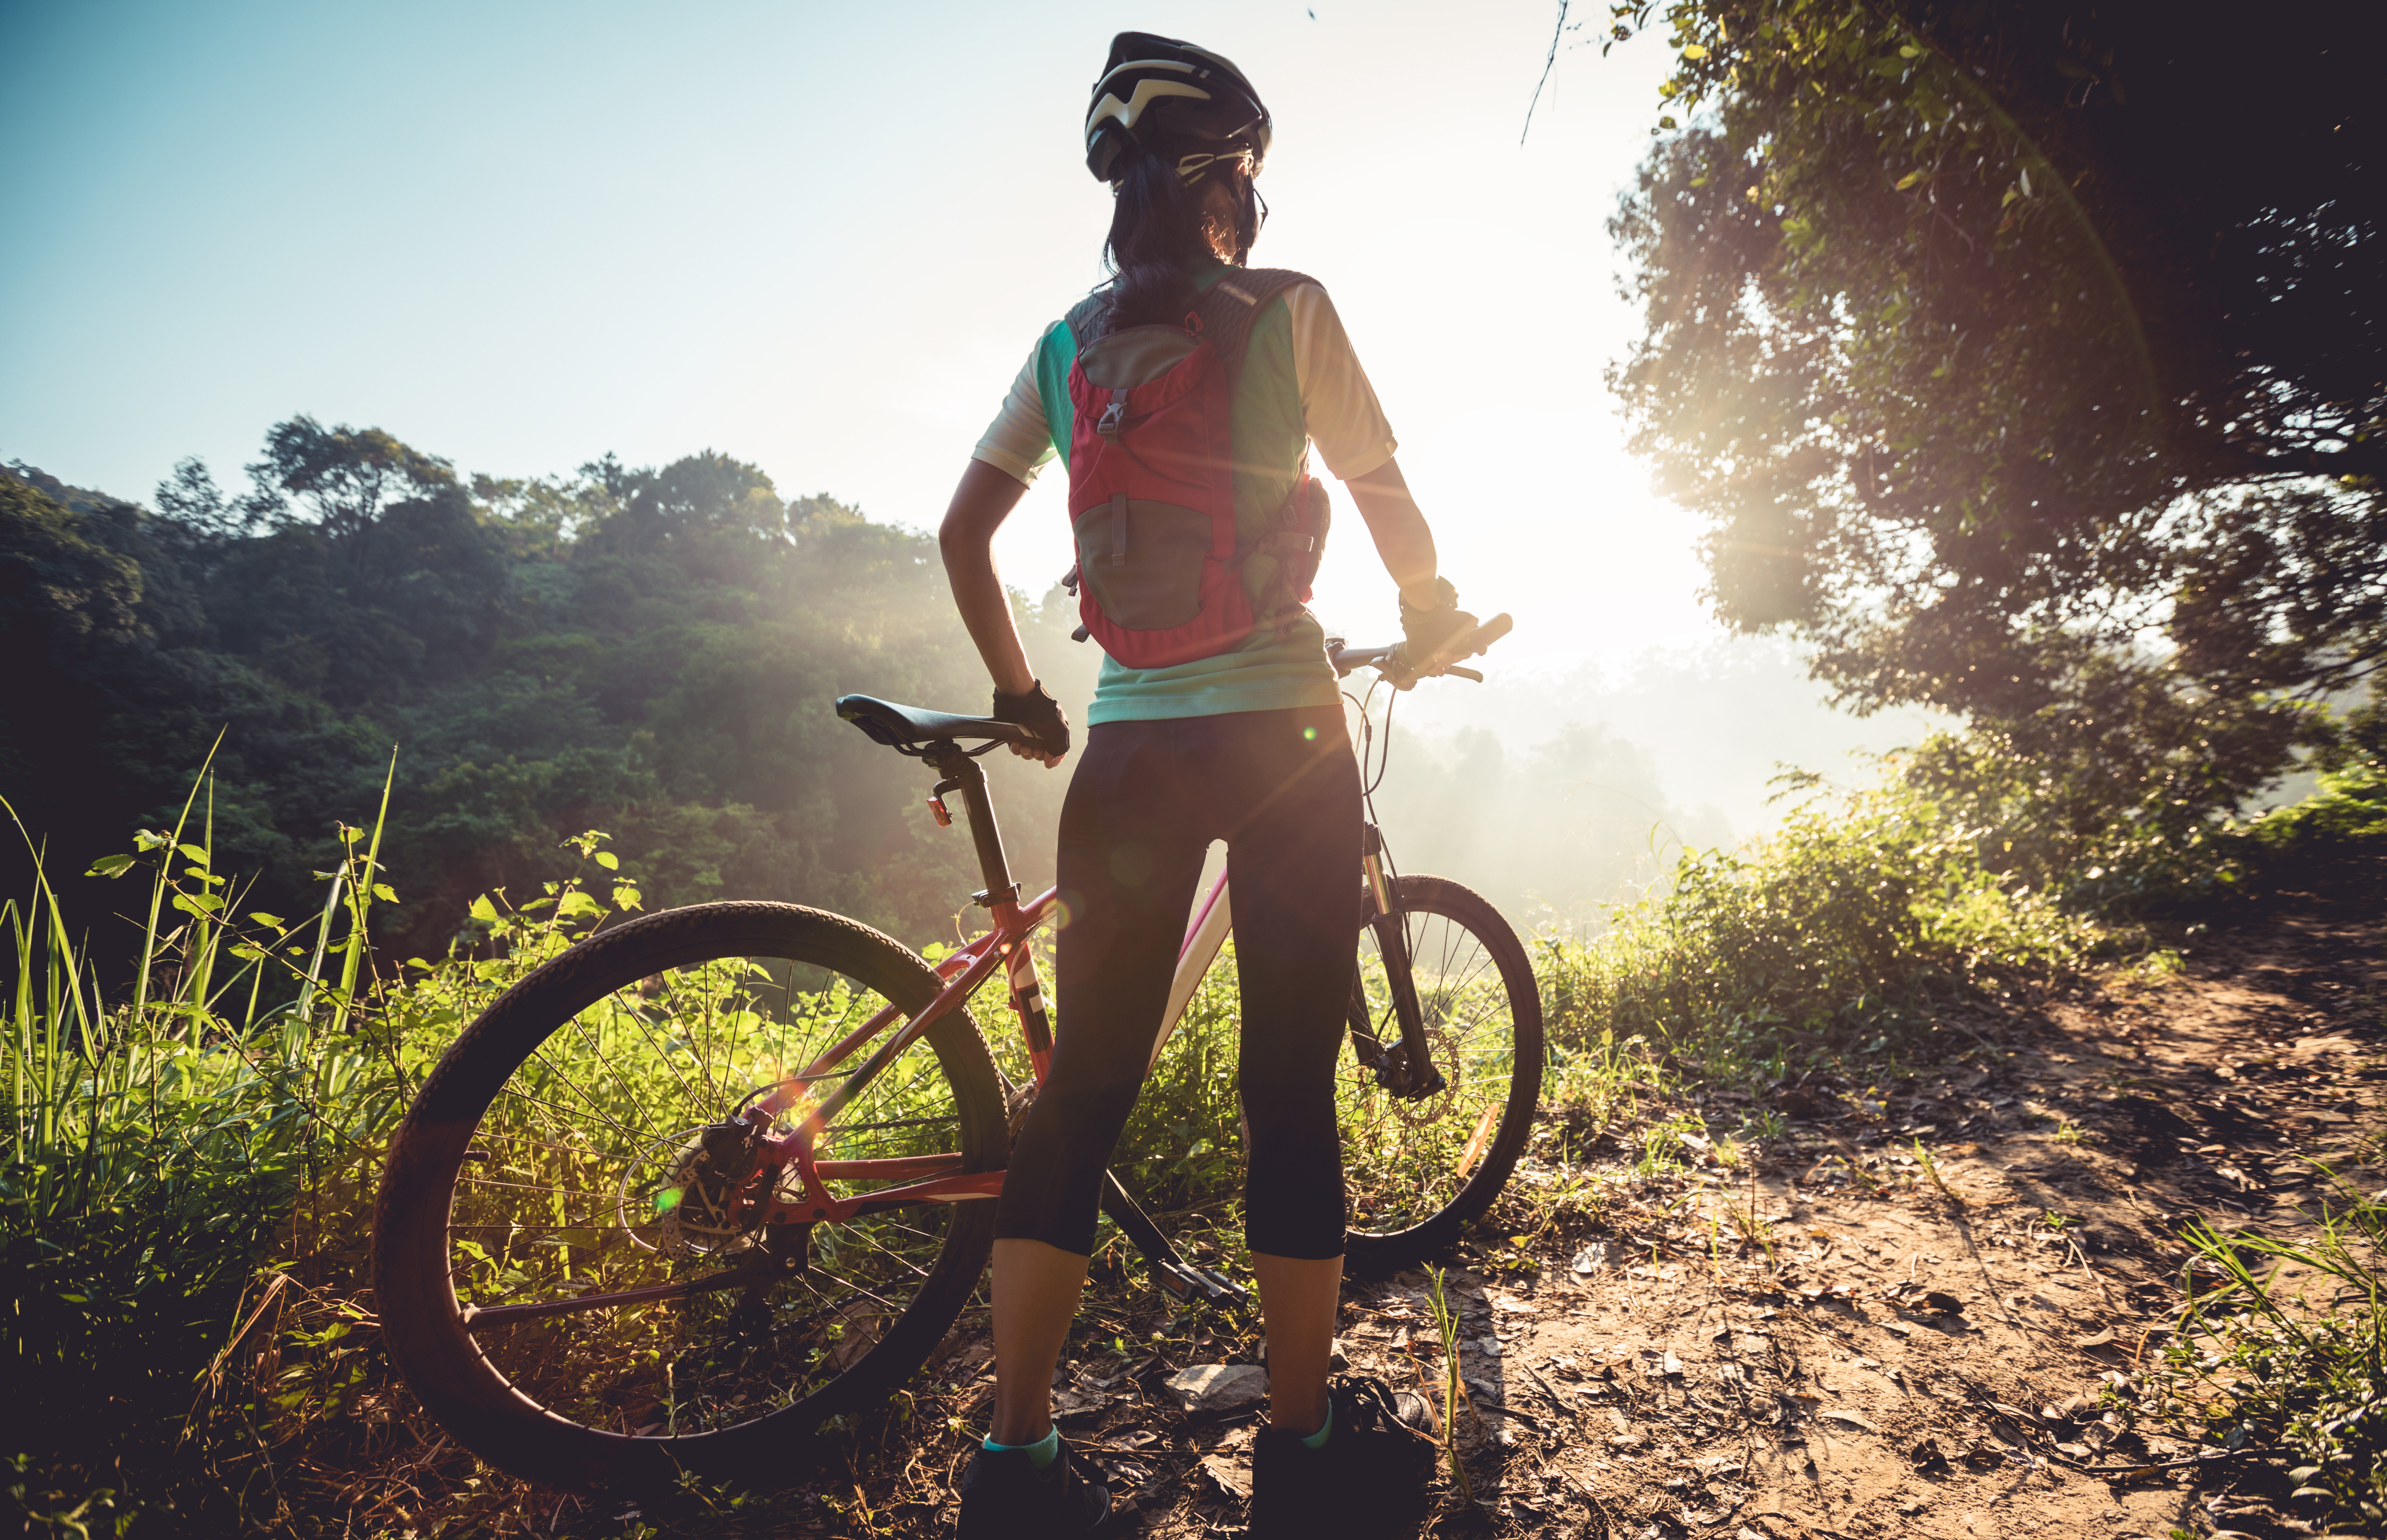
x,y
899,726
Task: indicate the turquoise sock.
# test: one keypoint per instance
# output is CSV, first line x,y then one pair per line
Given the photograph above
x,y
1317,1439
1045,1450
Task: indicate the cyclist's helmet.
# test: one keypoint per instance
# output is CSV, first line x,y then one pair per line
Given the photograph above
x,y
1176,100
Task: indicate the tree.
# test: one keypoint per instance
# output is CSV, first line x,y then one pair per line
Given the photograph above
x,y
346,474
653,652
383,581
2027,367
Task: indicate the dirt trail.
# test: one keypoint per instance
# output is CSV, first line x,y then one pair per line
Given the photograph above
x,y
1909,1359
1846,1341
1928,1362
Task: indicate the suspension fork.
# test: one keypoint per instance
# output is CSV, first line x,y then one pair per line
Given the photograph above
x,y
1408,1069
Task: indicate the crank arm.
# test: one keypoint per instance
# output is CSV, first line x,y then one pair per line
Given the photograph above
x,y
1177,1277
1186,1283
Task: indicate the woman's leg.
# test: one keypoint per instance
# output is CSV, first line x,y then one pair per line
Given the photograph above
x,y
1293,860
1130,859
1298,1300
1036,1288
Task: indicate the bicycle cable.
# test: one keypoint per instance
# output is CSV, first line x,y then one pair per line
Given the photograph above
x,y
1383,759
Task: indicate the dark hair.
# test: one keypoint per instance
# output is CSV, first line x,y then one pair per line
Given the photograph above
x,y
1157,231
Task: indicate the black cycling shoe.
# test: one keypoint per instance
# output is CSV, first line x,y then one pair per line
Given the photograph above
x,y
1006,1497
1368,1477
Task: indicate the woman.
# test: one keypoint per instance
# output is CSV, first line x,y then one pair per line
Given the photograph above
x,y
1218,720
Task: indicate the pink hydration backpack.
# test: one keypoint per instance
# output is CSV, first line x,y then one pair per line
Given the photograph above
x,y
1152,488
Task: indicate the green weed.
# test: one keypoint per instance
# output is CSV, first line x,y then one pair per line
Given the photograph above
x,y
2307,1375
1825,944
158,1142
1445,1322
1931,1170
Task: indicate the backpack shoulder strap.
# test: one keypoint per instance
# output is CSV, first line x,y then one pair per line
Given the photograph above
x,y
1087,317
1229,307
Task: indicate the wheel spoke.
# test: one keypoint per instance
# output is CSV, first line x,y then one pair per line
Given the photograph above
x,y
1415,1168
477,1318
605,1226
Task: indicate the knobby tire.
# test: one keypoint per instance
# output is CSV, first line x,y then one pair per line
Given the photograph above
x,y
1513,1043
421,1318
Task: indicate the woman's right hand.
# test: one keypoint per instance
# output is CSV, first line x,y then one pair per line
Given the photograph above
x,y
1426,632
1035,710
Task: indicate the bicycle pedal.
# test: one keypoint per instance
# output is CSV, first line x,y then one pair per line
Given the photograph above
x,y
1186,1282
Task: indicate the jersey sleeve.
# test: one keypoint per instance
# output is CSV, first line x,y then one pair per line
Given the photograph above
x,y
1338,405
1019,440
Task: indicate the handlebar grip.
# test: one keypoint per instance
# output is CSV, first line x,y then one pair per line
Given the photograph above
x,y
1475,641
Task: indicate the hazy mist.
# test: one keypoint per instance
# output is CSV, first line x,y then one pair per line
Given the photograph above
x,y
1557,794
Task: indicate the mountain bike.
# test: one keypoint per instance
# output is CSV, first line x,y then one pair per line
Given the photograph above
x,y
713,1176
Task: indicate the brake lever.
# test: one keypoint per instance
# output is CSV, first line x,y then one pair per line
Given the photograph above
x,y
1396,671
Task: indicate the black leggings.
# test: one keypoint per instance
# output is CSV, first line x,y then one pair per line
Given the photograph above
x,y
1283,790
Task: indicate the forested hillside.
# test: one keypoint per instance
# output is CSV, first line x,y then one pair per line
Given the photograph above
x,y
651,652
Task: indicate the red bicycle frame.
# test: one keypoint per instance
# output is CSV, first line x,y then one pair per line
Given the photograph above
x,y
963,970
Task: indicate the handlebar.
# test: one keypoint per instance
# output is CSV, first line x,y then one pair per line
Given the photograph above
x,y
1389,661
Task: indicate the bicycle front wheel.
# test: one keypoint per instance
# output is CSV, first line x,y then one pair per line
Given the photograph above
x,y
1417,1170
568,1259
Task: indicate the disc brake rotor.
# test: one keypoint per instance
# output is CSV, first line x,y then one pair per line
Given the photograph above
x,y
695,1203
1442,1051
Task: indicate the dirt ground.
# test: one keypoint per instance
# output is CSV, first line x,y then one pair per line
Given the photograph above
x,y
1841,1341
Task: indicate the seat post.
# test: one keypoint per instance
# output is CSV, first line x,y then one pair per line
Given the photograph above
x,y
970,779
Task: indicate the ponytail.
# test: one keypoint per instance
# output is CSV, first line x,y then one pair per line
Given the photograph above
x,y
1155,233
1158,229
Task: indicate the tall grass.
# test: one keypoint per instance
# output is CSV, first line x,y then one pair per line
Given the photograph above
x,y
156,1141
190,1173
2307,1375
1841,939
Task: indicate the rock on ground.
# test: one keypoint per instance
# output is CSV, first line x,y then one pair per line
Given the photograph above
x,y
1211,1390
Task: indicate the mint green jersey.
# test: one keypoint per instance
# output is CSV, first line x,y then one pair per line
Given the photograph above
x,y
1277,666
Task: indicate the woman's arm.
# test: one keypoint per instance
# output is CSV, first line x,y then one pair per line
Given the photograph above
x,y
1430,613
983,499
1399,530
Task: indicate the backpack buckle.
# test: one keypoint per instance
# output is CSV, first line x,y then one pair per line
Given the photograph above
x,y
1113,419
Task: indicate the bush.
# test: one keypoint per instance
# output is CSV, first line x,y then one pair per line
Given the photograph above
x,y
1844,931
189,1181
2349,810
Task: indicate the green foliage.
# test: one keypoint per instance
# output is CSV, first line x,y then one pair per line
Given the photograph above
x,y
2307,1375
190,1174
156,1145
192,1164
1184,1143
1838,935
2350,808
2348,811
1446,1324
2018,381
654,651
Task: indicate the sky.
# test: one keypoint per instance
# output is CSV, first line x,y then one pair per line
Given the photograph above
x,y
822,238
818,237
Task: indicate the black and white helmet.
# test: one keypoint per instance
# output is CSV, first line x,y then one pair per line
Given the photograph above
x,y
1175,98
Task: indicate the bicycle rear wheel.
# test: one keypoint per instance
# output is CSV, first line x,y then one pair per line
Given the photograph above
x,y
1415,1171
558,1157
